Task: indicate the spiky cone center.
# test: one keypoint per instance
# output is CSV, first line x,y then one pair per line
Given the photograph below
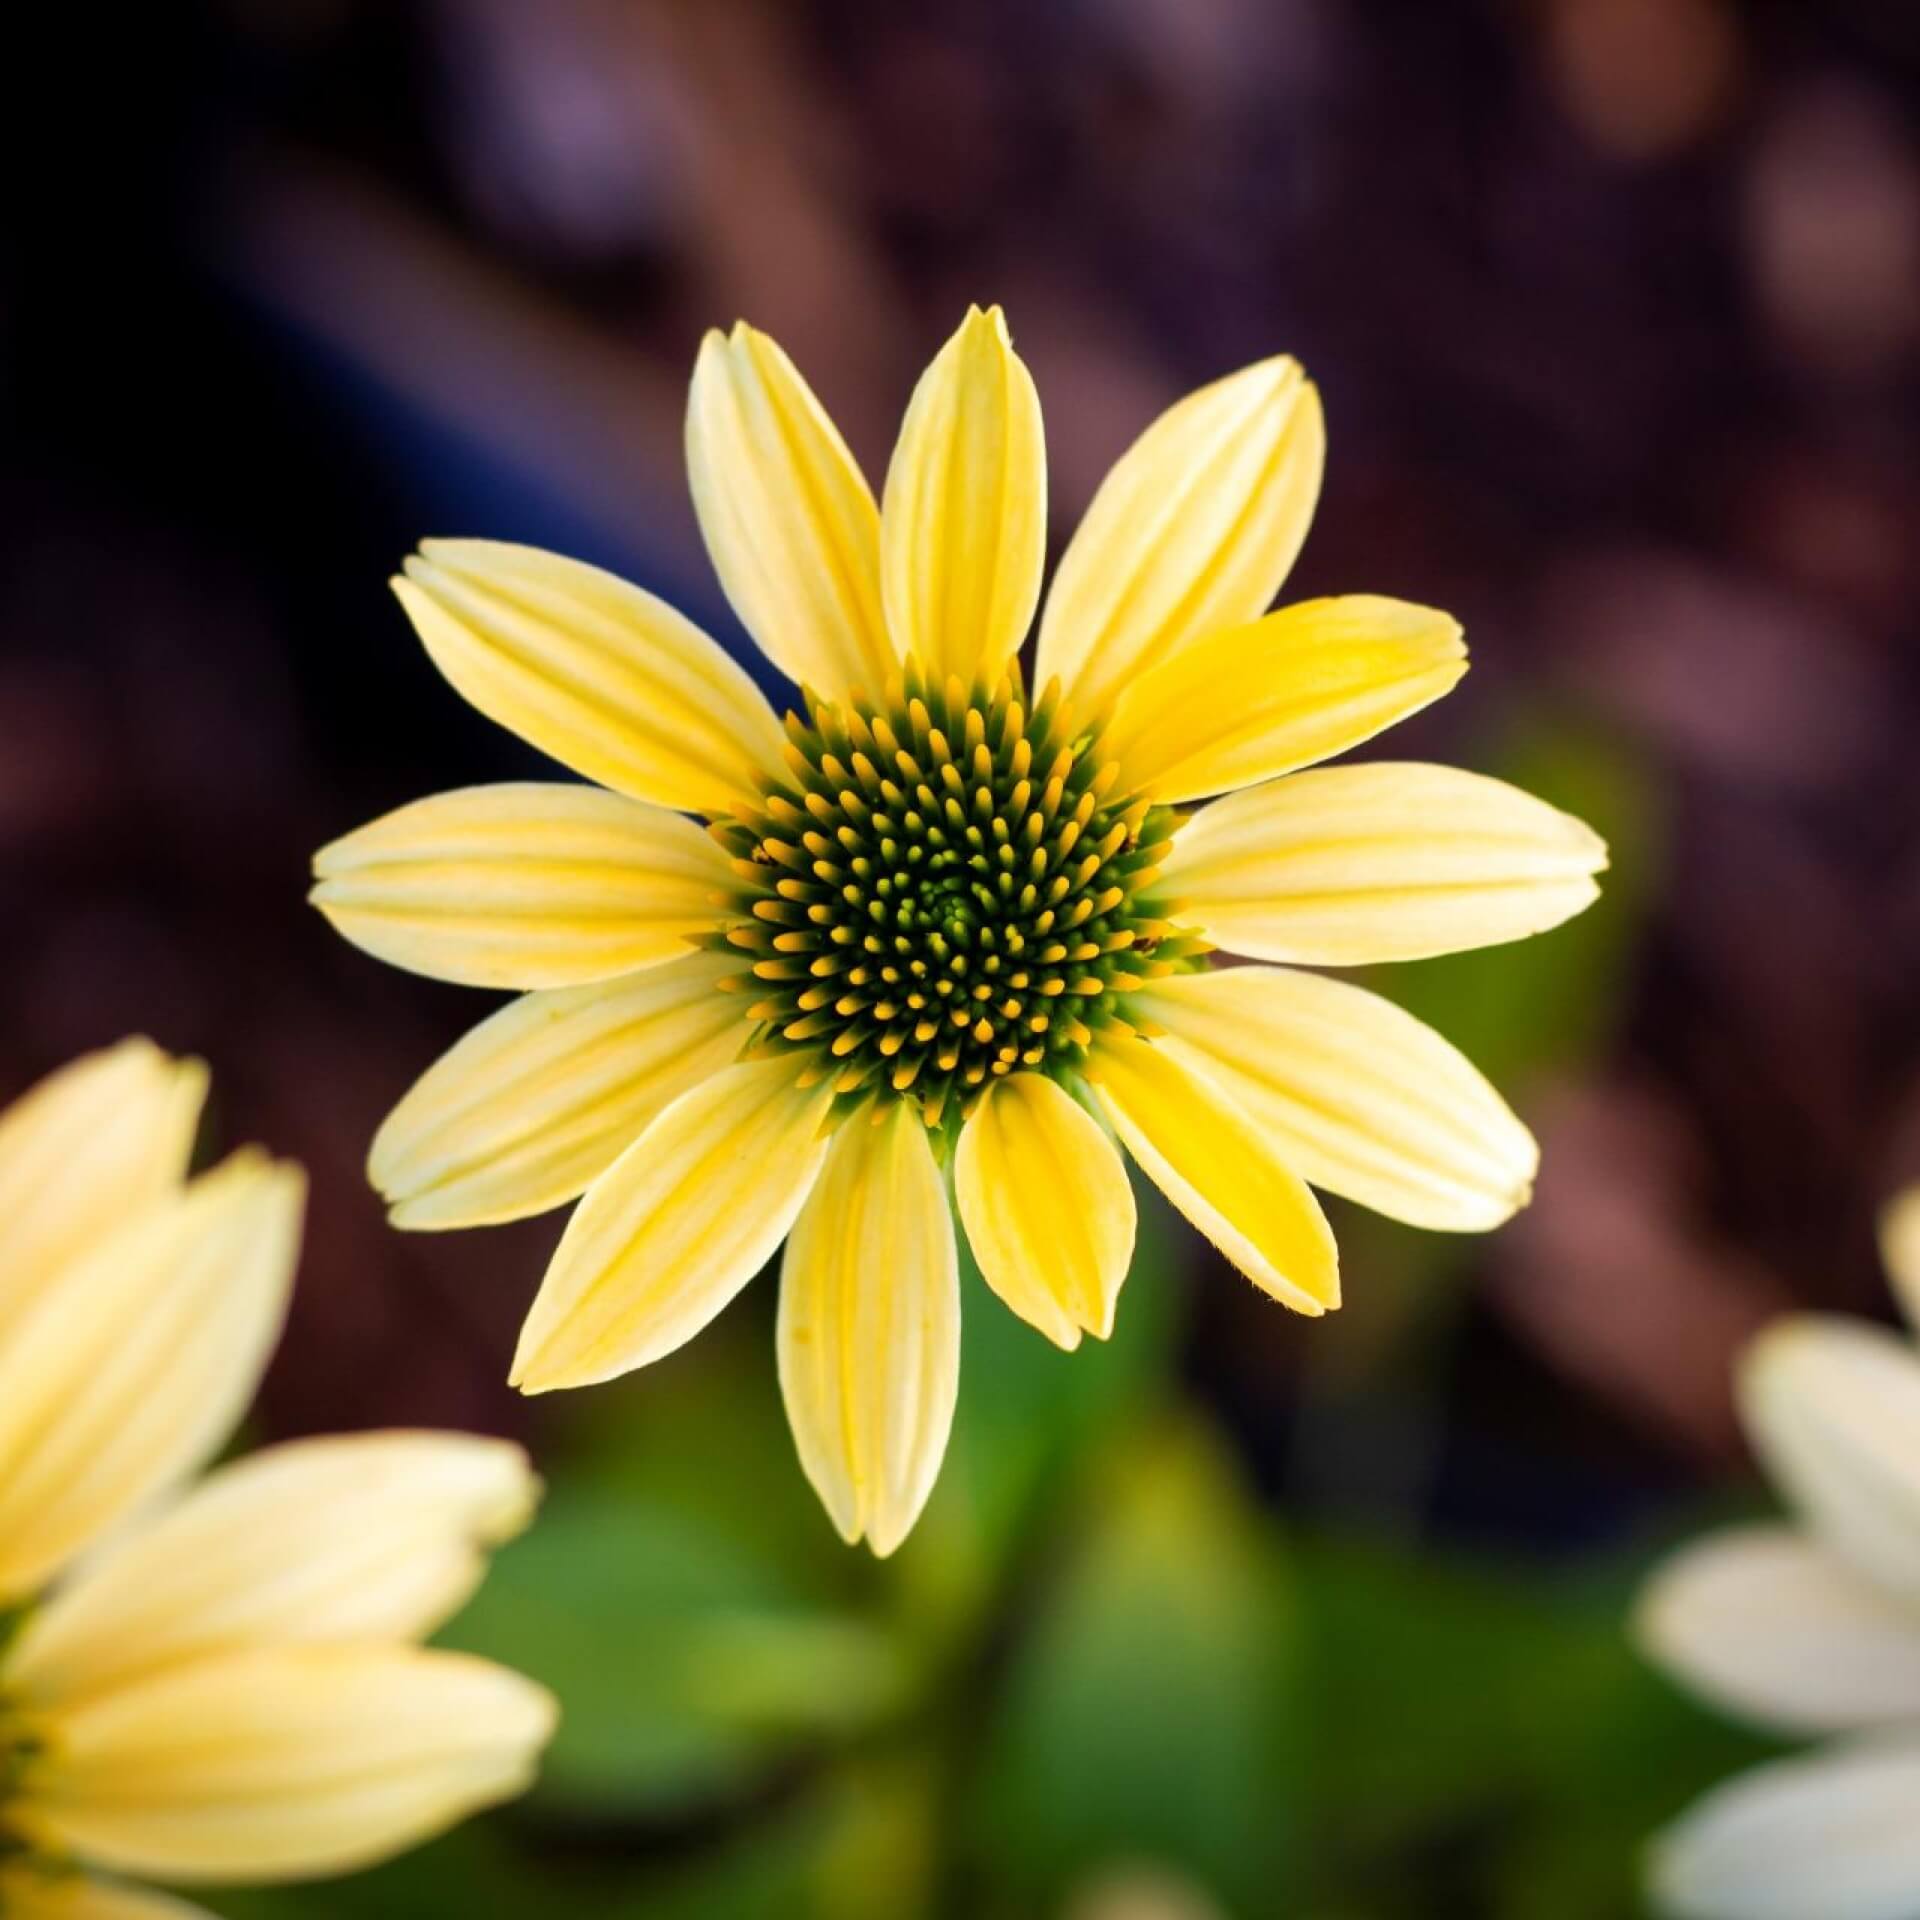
x,y
947,887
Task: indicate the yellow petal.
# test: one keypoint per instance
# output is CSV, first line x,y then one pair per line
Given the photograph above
x,y
1048,1208
135,1362
28,1892
676,1226
1354,1094
529,884
1194,529
1900,1250
1242,704
1767,1624
84,1151
1829,1834
1833,1408
1217,1167
282,1764
542,1098
361,1537
788,520
963,524
1345,866
869,1327
610,681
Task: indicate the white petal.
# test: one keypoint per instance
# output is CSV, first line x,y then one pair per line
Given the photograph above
x,y
1831,1836
1900,1250
1833,1407
1769,1625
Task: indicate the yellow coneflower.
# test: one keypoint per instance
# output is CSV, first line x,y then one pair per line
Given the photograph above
x,y
1810,1626
218,1682
933,922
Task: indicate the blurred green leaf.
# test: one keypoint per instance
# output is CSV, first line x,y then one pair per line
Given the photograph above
x,y
1147,1714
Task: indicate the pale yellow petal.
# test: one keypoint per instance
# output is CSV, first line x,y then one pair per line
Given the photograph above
x,y
676,1226
1194,529
137,1360
83,1152
1829,1835
1832,1405
1768,1624
31,1892
538,1101
789,522
1353,1093
869,1327
1345,866
1047,1206
529,884
963,522
1220,1170
362,1537
608,680
282,1764
1247,703
1900,1250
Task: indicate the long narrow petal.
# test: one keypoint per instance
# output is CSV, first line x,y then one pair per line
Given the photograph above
x,y
282,1764
1047,1205
790,524
1345,866
1220,1170
528,884
539,1100
1356,1095
135,1363
363,1537
1770,1625
1195,528
1900,1250
869,1327
610,681
1242,704
963,522
1833,1407
1831,1834
676,1226
28,1892
84,1151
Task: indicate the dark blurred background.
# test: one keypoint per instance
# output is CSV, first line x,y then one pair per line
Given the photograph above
x,y
1615,305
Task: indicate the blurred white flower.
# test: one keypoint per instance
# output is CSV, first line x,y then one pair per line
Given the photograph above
x,y
1811,1627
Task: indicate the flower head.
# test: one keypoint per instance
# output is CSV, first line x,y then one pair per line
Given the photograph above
x,y
1810,1628
216,1682
947,918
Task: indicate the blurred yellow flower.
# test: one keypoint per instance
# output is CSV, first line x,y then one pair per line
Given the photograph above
x,y
1811,1628
220,1683
934,923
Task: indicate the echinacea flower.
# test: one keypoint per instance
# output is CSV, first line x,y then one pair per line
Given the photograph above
x,y
1811,1627
937,928
216,1682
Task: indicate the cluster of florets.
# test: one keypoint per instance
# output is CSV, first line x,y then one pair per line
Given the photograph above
x,y
947,887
